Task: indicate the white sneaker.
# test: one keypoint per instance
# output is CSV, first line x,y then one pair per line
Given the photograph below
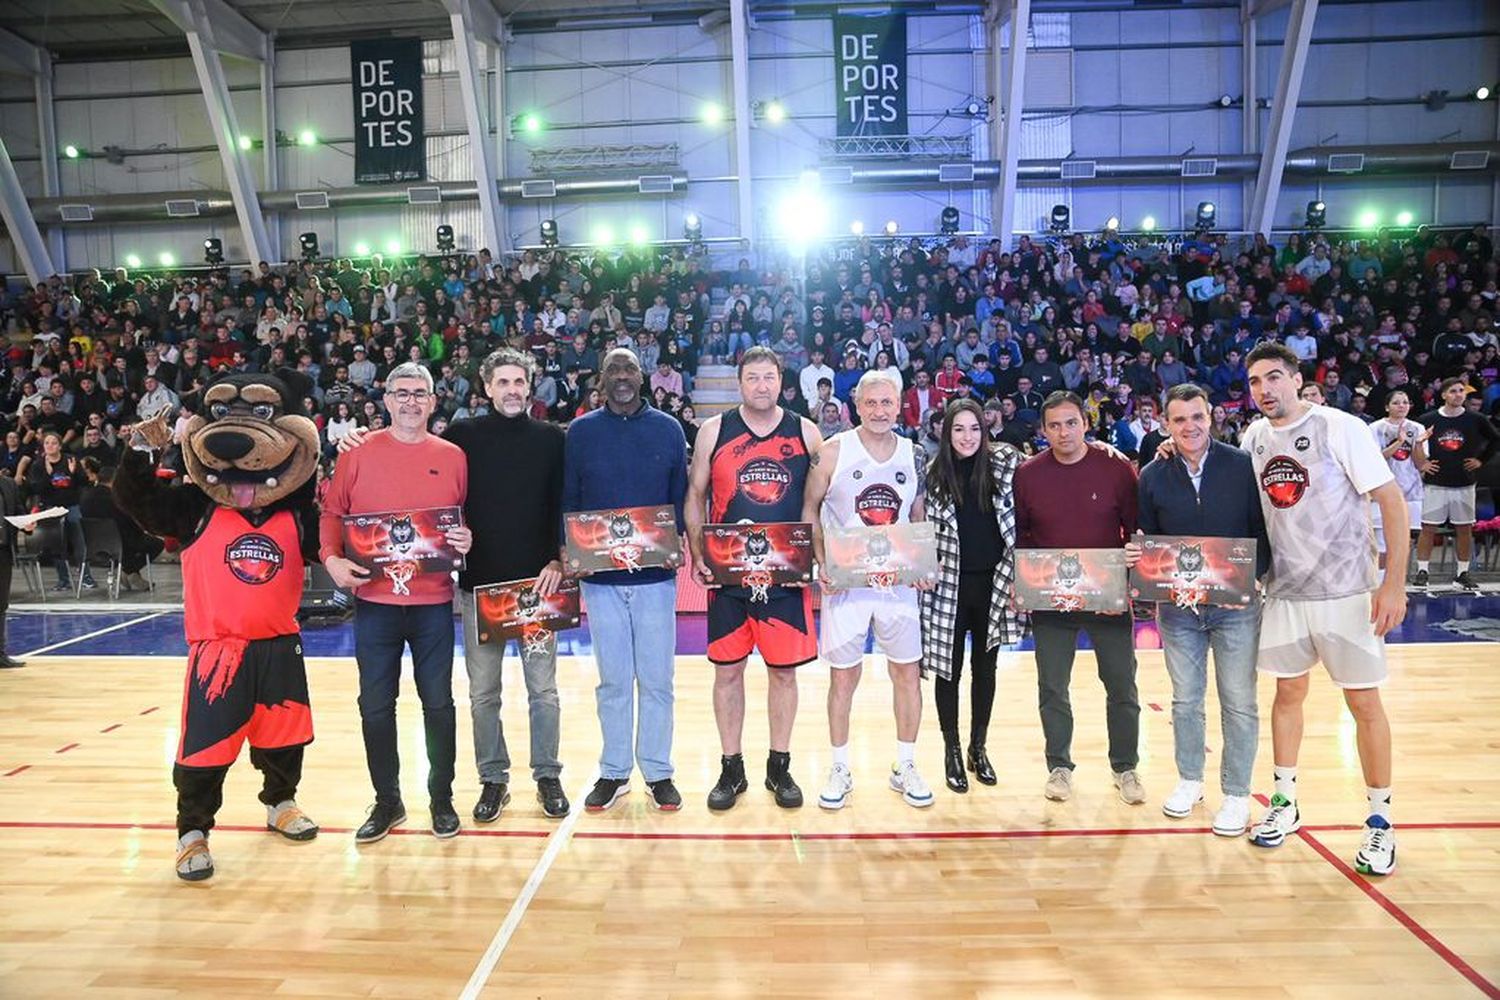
x,y
906,780
1059,784
1280,821
1377,851
840,786
1233,816
1186,795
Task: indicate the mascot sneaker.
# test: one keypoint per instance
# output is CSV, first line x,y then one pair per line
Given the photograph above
x,y
194,863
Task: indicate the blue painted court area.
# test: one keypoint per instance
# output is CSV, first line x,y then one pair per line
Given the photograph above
x,y
135,633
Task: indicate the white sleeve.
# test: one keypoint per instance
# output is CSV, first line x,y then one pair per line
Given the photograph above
x,y
1355,450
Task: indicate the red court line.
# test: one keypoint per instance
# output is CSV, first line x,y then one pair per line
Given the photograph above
x,y
17,770
149,710
65,749
1153,706
1403,918
110,729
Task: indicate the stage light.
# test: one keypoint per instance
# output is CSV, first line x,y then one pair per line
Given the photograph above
x,y
549,232
1207,212
1061,218
604,235
361,249
774,112
948,221
1112,224
70,151
1148,224
307,137
1225,101
165,259
309,244
1317,214
712,113
1404,219
857,228
393,247
1482,94
1369,219
639,236
445,243
132,260
692,227
246,142
530,122
213,250
891,227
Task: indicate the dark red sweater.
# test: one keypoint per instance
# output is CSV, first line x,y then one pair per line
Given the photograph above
x,y
1090,504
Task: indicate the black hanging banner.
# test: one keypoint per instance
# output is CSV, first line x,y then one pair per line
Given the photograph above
x,y
388,142
869,60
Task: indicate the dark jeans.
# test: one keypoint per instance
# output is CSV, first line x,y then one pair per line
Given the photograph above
x,y
1056,635
7,567
381,631
200,790
974,593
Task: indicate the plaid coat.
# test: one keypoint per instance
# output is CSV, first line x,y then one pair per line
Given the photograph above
x,y
940,604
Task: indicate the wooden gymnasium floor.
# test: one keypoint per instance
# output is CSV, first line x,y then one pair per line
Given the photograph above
x,y
996,893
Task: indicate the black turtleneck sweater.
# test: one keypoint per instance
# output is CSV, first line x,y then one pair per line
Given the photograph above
x,y
515,495
979,543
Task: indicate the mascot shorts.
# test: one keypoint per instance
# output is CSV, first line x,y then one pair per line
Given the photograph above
x,y
238,690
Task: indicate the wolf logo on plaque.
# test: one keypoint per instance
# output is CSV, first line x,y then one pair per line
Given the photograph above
x,y
400,539
622,548
757,552
1188,590
402,535
527,603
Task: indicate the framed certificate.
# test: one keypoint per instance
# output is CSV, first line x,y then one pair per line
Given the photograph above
x,y
1188,571
773,554
411,540
628,538
1071,580
881,556
509,610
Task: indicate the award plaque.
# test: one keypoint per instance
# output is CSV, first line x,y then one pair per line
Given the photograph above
x,y
1071,580
514,610
1190,571
401,544
881,556
628,538
759,556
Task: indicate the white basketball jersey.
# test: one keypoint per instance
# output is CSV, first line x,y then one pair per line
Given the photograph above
x,y
865,492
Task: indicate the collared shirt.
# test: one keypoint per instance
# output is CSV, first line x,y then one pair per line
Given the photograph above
x,y
1196,477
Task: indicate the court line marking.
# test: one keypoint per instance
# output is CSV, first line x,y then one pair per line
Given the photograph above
x,y
507,929
96,632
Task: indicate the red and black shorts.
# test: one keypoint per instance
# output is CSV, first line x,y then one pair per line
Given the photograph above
x,y
781,627
238,690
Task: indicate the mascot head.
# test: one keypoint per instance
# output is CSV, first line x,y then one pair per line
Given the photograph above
x,y
248,444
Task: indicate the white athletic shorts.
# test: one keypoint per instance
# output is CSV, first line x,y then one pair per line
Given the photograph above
x,y
1294,635
848,614
1453,504
1413,521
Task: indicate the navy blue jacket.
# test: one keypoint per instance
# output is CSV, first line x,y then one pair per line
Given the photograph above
x,y
614,461
1227,504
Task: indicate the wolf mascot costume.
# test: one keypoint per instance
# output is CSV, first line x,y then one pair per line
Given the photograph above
x,y
247,522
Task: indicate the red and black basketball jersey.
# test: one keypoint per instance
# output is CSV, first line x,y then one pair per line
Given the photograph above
x,y
241,580
757,479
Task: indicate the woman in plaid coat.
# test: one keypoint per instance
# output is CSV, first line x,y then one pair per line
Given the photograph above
x,y
970,504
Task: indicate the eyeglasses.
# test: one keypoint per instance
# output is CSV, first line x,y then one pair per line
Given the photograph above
x,y
411,395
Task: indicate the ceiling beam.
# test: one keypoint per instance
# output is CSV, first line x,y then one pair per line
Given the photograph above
x,y
218,25
18,56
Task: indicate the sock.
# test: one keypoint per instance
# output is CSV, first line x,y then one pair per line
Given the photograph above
x,y
906,753
1423,565
841,755
733,760
1463,566
1286,782
1380,802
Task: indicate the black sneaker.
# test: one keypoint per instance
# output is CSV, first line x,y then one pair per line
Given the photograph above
x,y
1420,580
61,588
1465,581
445,819
383,818
493,797
607,792
779,780
89,584
731,784
549,793
664,795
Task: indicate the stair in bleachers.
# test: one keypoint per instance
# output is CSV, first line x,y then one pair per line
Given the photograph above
x,y
716,388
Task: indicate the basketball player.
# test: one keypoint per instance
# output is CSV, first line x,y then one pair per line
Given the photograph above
x,y
1315,466
750,464
867,476
1402,441
1459,445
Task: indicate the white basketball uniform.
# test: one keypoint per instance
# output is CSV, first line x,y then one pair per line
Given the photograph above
x,y
1314,476
1403,463
862,491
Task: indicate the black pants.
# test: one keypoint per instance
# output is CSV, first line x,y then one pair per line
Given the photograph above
x,y
200,790
974,593
6,568
1056,634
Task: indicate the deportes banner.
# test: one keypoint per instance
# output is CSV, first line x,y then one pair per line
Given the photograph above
x,y
389,146
632,538
869,66
1189,571
1071,580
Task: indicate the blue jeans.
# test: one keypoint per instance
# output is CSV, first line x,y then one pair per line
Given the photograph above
x,y
1234,636
634,631
381,632
740,341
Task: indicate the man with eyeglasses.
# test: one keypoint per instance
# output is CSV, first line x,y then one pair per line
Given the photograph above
x,y
403,468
